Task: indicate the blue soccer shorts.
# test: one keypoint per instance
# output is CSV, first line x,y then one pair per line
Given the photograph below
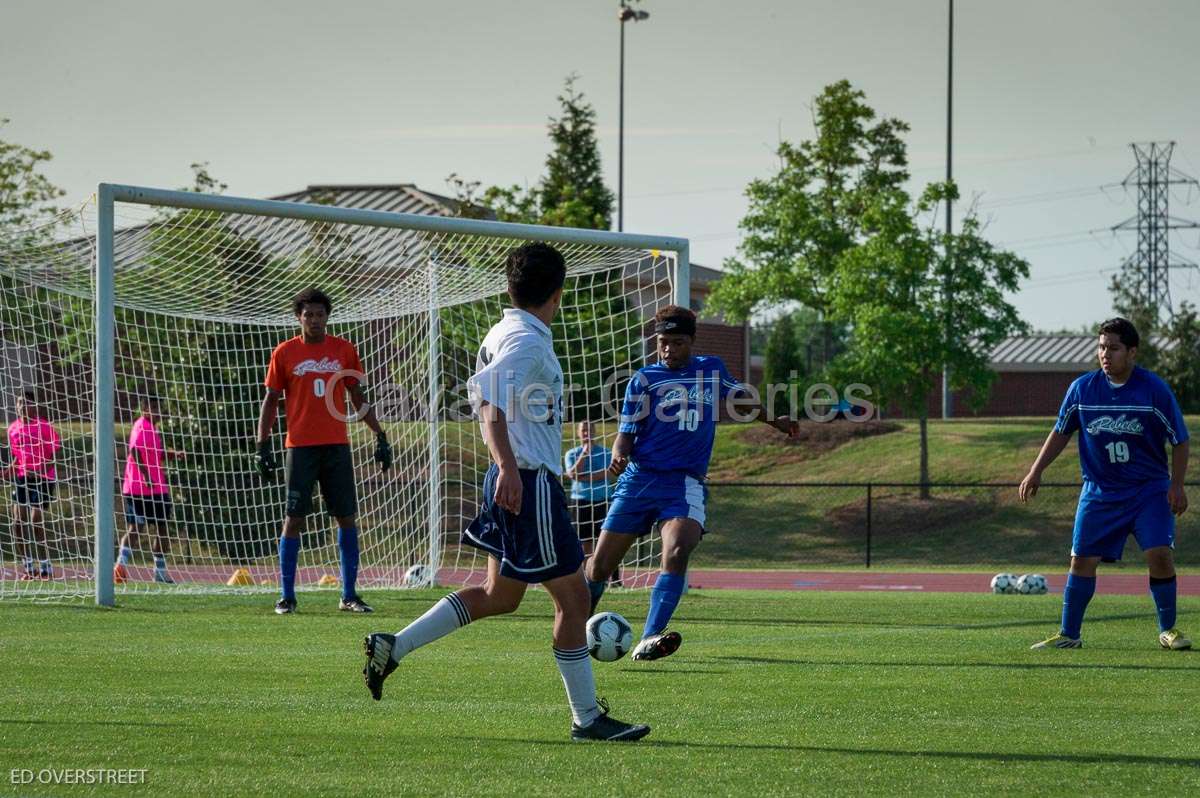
x,y
1102,527
535,545
645,497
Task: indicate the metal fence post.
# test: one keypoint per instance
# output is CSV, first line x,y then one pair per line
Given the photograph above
x,y
868,524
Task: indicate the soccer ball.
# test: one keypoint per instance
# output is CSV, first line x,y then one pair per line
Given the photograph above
x,y
417,576
1004,583
1031,584
609,636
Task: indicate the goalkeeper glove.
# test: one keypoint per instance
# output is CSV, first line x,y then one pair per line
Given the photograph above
x,y
383,452
267,464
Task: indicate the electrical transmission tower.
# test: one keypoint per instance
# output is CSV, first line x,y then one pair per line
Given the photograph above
x,y
1151,263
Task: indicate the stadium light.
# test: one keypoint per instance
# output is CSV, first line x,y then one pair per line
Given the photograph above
x,y
625,14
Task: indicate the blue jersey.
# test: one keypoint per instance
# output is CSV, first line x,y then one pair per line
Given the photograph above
x,y
1123,431
673,414
597,460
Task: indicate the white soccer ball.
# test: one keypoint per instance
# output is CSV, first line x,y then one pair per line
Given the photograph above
x,y
1031,584
417,576
1004,583
609,636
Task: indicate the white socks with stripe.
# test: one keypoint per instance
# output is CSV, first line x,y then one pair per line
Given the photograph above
x,y
576,669
442,618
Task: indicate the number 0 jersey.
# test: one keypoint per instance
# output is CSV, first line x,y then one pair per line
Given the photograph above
x,y
673,414
313,379
1123,431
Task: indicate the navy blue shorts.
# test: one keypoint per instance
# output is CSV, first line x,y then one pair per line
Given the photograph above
x,y
155,508
1101,528
644,498
538,544
32,491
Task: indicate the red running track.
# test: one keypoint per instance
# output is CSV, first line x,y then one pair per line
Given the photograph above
x,y
1126,582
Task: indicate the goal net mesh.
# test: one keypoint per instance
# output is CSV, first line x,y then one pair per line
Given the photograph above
x,y
201,299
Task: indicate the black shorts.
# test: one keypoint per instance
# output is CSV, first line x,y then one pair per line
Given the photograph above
x,y
32,491
535,545
331,466
155,509
589,517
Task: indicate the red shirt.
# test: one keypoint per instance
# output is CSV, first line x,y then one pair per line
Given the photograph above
x,y
313,379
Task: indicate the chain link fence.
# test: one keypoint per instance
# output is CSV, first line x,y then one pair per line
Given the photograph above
x,y
800,524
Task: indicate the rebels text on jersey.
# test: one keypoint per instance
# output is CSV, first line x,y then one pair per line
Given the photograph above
x,y
517,371
1123,431
673,414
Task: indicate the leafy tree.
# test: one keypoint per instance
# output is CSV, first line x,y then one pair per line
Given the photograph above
x,y
805,216
891,289
1179,357
835,230
1130,303
783,361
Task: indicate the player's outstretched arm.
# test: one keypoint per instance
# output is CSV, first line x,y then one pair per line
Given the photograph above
x,y
495,435
1176,495
1051,449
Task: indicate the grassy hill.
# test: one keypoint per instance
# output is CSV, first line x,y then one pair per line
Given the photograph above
x,y
957,527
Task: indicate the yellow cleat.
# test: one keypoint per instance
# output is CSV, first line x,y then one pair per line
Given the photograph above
x,y
1059,640
1174,640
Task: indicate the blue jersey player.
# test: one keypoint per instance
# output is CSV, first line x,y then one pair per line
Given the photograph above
x,y
1125,416
664,443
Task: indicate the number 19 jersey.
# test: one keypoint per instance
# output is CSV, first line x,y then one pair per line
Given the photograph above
x,y
1123,431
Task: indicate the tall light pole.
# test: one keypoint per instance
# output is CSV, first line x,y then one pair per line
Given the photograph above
x,y
947,396
625,14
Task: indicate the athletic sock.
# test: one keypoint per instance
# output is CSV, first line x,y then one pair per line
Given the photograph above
x,y
45,569
664,598
28,565
347,540
440,620
1076,595
160,563
1163,590
596,589
289,554
125,555
576,668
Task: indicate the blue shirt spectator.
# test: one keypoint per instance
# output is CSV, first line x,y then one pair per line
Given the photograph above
x,y
586,466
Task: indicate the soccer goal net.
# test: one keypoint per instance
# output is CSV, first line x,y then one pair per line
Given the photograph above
x,y
183,296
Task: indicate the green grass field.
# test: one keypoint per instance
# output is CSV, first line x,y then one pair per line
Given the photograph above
x,y
772,694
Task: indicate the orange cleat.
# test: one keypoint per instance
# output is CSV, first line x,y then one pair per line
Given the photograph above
x,y
120,575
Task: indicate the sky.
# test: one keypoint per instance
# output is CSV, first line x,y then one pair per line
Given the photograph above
x,y
279,95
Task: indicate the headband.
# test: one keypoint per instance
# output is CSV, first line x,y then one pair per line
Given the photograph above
x,y
676,325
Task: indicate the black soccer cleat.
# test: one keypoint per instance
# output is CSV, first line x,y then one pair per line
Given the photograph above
x,y
285,606
658,646
608,729
378,647
354,604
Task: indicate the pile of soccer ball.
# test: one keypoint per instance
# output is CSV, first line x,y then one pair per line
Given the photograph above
x,y
1025,584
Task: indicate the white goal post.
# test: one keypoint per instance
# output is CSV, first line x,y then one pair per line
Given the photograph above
x,y
188,295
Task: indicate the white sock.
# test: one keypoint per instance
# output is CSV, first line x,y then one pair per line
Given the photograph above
x,y
576,669
442,618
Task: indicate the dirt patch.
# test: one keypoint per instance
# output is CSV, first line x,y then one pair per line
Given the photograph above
x,y
908,515
817,438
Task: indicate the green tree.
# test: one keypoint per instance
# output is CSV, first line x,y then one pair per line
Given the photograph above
x,y
805,216
783,361
1131,304
835,230
1179,356
892,290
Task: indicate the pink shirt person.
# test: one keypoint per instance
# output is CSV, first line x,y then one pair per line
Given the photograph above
x,y
33,444
144,474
